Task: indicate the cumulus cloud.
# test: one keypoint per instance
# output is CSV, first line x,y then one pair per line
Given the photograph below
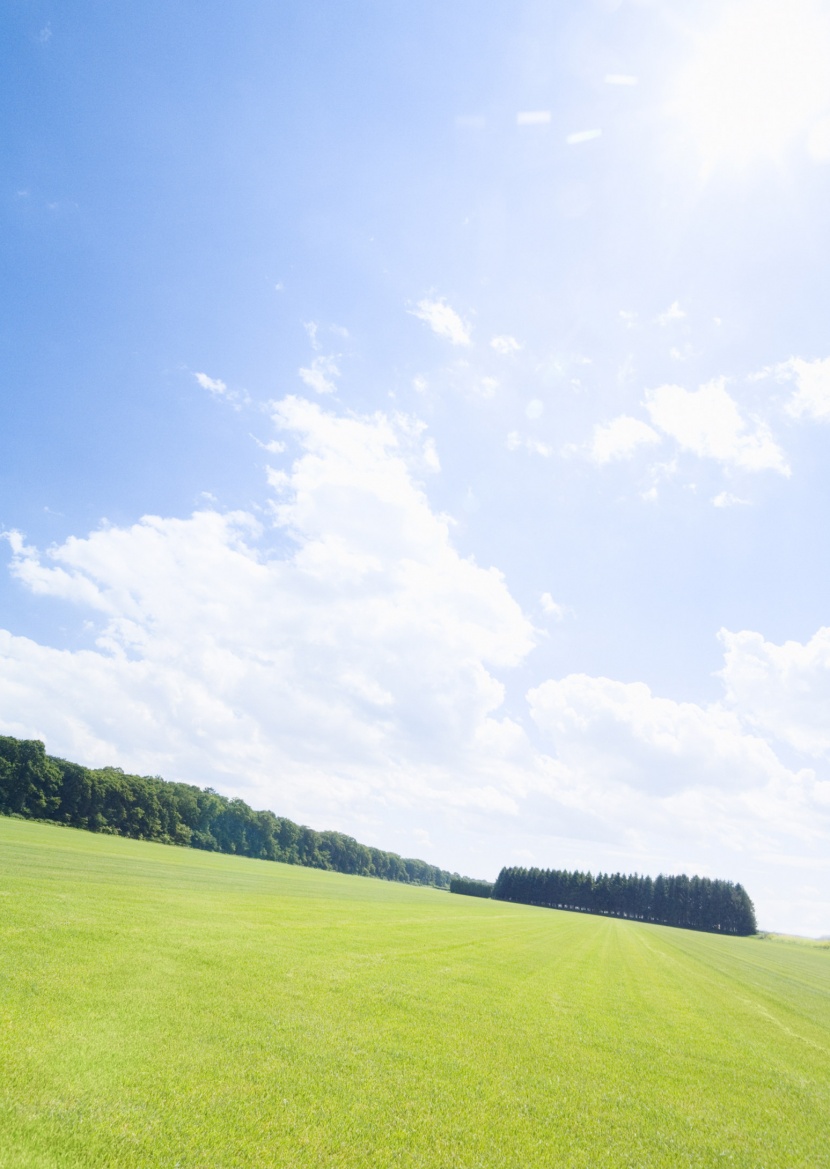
x,y
620,439
358,658
443,320
812,394
708,423
690,772
782,690
623,733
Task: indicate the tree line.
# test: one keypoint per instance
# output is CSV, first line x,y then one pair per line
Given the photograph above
x,y
43,787
698,903
471,887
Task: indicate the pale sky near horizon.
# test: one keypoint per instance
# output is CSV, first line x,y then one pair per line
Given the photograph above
x,y
415,420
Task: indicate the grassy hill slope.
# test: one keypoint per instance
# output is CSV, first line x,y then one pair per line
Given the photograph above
x,y
167,1007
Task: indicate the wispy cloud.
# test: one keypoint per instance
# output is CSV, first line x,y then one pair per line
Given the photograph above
x,y
727,499
311,328
673,313
516,441
215,386
505,344
620,79
552,608
443,320
320,375
621,439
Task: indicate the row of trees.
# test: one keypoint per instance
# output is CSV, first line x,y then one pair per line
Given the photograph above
x,y
471,887
697,903
42,787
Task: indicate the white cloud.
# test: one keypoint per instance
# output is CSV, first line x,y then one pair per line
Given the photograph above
x,y
443,320
620,439
515,442
727,499
620,79
708,423
215,385
673,313
582,136
487,387
505,344
273,446
812,395
627,735
782,690
319,376
694,776
552,608
358,661
681,354
235,398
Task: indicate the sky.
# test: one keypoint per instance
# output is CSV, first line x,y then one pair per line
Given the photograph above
x,y
415,421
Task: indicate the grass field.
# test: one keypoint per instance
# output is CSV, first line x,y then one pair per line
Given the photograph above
x,y
165,1007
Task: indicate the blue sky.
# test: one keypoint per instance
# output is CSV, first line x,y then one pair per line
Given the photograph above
x,y
415,421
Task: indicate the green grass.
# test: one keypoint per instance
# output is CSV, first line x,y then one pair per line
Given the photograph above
x,y
165,1007
795,940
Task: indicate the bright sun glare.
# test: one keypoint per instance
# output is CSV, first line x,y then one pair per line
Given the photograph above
x,y
759,80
